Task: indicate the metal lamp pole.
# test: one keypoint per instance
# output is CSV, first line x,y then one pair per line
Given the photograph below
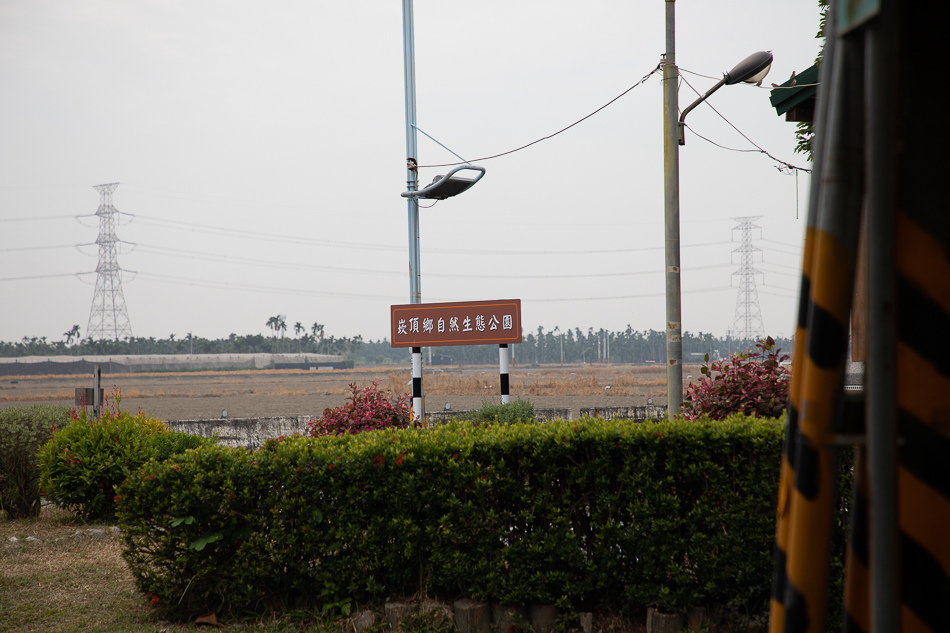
x,y
671,208
752,69
412,181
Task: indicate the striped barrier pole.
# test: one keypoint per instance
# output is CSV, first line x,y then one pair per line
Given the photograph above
x,y
822,367
923,412
787,476
503,372
417,411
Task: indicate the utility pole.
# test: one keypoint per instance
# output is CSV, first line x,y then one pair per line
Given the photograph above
x,y
671,208
412,182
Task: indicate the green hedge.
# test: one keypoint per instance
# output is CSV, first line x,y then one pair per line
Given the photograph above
x,y
84,461
22,431
594,514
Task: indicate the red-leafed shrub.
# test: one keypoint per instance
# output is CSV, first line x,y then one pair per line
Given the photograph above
x,y
751,383
368,409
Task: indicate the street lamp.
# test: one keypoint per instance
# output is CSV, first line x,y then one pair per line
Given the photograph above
x,y
439,189
752,69
749,69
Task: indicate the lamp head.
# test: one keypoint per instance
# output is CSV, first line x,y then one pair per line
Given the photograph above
x,y
752,69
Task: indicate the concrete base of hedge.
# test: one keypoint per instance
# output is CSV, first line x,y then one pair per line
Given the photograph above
x,y
658,622
396,611
587,621
363,620
472,617
505,616
543,617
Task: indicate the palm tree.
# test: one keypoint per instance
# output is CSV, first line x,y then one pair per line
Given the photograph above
x,y
73,332
298,328
317,330
278,324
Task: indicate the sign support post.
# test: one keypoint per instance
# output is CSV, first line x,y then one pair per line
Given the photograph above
x,y
419,325
503,371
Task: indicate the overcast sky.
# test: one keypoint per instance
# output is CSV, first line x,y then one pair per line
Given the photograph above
x,y
260,150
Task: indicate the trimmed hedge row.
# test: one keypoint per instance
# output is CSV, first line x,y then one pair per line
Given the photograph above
x,y
592,514
22,431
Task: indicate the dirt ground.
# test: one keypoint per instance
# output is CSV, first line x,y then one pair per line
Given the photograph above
x,y
266,393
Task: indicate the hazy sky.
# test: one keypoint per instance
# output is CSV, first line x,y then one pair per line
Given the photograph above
x,y
260,151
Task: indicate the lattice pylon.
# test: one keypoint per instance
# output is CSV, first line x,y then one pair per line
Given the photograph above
x,y
108,317
748,323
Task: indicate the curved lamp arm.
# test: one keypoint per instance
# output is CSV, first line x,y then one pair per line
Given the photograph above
x,y
752,69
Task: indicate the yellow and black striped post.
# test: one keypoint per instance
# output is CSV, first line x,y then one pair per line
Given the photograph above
x,y
923,416
806,501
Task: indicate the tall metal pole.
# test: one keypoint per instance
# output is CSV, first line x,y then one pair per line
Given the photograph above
x,y
412,181
671,207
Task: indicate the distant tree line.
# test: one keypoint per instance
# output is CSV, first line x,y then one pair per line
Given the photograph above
x,y
540,347
312,340
572,347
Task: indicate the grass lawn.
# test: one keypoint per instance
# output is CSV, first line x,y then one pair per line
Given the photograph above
x,y
79,583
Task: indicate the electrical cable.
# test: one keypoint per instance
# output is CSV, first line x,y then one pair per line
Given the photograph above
x,y
788,166
187,254
544,138
38,219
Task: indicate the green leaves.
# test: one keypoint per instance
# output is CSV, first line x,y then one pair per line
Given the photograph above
x,y
752,383
211,537
22,432
595,513
84,461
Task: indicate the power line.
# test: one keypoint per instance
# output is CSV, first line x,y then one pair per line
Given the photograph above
x,y
286,239
639,296
760,149
52,276
38,219
564,129
39,248
187,254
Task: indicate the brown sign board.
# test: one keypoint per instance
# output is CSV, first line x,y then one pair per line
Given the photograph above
x,y
84,396
458,323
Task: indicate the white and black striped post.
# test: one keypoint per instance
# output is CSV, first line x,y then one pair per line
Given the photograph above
x,y
503,371
417,383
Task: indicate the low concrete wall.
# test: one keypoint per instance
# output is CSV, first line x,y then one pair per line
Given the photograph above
x,y
247,432
638,413
542,415
253,432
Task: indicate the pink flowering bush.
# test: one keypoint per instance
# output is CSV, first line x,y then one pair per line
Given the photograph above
x,y
751,383
367,409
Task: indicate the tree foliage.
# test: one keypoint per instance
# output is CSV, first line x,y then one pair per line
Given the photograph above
x,y
368,409
752,383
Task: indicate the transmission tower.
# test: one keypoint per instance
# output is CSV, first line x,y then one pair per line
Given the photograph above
x,y
108,318
748,321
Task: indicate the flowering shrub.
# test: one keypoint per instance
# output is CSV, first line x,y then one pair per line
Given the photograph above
x,y
367,409
751,383
83,463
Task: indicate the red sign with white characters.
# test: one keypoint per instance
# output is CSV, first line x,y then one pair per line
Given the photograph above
x,y
459,323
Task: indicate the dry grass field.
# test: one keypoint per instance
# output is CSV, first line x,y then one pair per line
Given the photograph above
x,y
266,393
68,582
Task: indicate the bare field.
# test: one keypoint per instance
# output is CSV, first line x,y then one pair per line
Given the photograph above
x,y
267,393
